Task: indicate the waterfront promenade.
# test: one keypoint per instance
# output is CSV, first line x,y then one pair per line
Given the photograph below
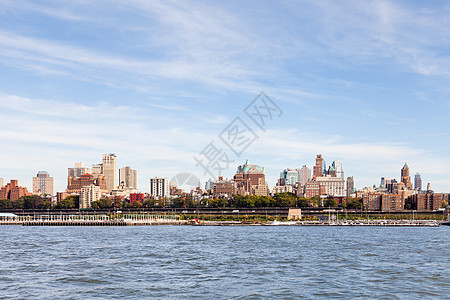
x,y
91,220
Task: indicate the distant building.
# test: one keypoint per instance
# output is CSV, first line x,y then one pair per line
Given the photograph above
x,y
13,191
337,165
89,194
282,189
417,182
43,184
384,182
1,182
60,196
159,187
312,188
331,172
304,175
209,185
78,170
97,169
372,201
405,178
350,186
392,202
128,177
225,188
75,184
319,167
137,197
334,186
110,171
289,177
426,201
251,180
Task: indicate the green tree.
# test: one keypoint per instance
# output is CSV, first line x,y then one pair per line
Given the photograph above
x,y
136,204
19,203
330,203
32,202
6,203
45,205
68,203
102,203
149,202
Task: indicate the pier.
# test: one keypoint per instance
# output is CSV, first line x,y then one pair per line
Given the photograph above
x,y
91,220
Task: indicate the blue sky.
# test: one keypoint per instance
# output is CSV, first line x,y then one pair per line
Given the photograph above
x,y
363,82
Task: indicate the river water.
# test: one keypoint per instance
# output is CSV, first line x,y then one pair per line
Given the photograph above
x,y
238,262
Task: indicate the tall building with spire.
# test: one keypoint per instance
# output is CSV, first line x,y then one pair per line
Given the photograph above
x,y
110,171
417,182
405,178
318,168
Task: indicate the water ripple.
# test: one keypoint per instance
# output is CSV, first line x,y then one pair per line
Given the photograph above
x,y
172,262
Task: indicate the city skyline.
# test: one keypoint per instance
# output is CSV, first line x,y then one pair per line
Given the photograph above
x,y
155,82
117,183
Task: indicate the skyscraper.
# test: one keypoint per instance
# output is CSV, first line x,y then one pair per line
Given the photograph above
x,y
417,182
304,174
159,187
337,165
350,186
128,177
109,170
43,184
405,178
318,168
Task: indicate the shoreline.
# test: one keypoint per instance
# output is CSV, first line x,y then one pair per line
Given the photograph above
x,y
113,223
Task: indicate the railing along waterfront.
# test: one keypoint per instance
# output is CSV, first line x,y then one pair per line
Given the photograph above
x,y
90,220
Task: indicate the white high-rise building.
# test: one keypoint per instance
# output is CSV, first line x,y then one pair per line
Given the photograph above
x,y
78,170
159,187
337,165
2,182
43,184
89,194
110,171
128,177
